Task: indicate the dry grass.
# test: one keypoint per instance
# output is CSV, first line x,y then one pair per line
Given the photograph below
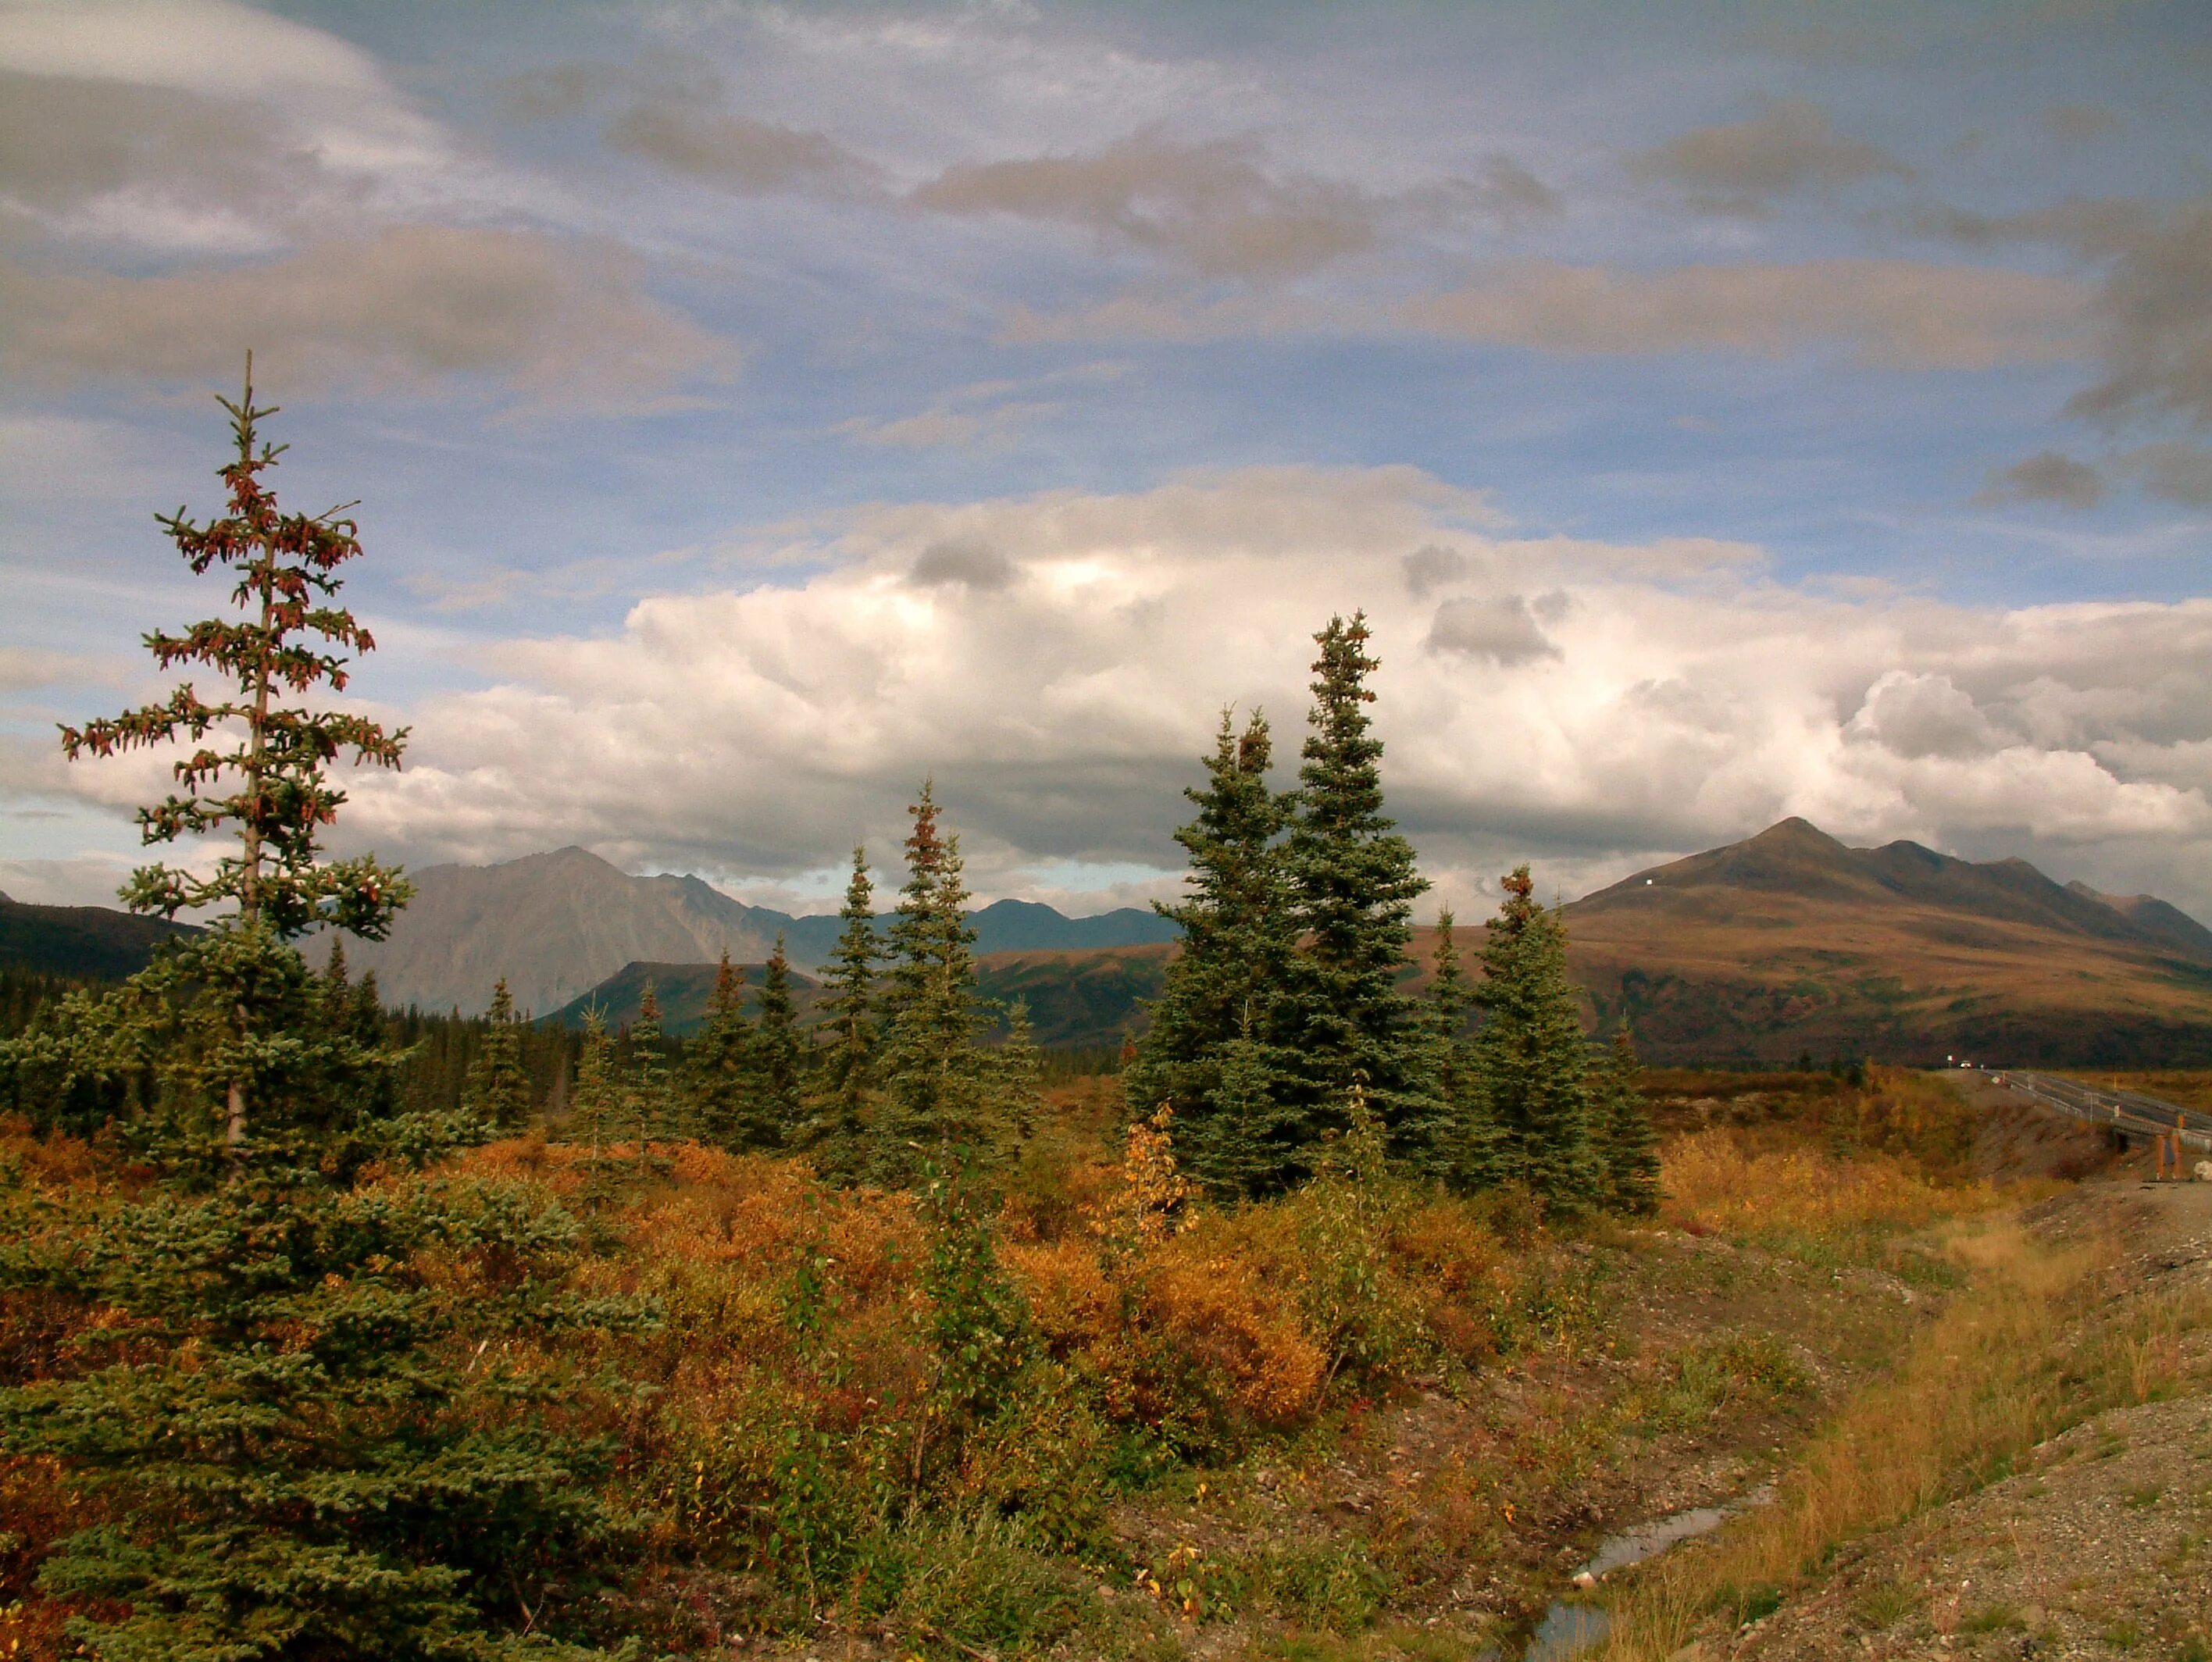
x,y
2024,1355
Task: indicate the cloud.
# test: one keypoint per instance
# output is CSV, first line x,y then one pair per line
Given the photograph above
x,y
1212,205
2078,123
417,307
197,126
2047,476
1501,629
1057,662
970,565
735,152
1893,313
1217,206
2180,473
2155,309
1432,566
1743,167
1916,715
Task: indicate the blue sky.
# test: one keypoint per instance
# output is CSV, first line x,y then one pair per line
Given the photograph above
x,y
1723,412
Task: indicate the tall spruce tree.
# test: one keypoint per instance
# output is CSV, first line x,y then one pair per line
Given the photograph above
x,y
654,1106
498,1085
936,1110
781,1054
1530,1052
1627,1142
278,755
268,1400
1353,883
1208,1053
722,1073
849,1037
1469,1151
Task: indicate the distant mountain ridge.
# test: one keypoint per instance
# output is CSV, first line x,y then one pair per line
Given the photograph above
x,y
95,943
557,924
1790,942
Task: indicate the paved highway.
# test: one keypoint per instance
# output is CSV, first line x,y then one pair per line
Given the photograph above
x,y
2131,1111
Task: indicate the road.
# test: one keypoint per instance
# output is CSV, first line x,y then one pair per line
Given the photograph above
x,y
2131,1111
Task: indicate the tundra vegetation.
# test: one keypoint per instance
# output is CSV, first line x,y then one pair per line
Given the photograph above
x,y
1328,1326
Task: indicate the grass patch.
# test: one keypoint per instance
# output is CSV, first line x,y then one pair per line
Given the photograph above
x,y
1885,1604
2028,1353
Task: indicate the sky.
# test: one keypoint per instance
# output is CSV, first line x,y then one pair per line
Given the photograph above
x,y
1720,413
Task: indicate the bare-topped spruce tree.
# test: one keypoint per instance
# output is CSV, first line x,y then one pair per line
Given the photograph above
x,y
261,757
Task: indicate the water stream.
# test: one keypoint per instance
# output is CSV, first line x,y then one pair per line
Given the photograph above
x,y
1569,1630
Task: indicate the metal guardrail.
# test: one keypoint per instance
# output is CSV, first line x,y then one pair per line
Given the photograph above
x,y
2130,1111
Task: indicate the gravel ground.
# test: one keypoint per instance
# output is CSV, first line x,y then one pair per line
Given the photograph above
x,y
2101,1546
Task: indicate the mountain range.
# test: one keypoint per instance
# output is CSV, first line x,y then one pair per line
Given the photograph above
x,y
557,925
1786,945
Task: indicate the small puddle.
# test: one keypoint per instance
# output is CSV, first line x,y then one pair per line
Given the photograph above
x,y
1568,1630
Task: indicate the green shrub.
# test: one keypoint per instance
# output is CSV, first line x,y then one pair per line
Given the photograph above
x,y
978,1583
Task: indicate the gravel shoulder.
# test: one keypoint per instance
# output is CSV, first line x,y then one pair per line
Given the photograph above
x,y
2100,1546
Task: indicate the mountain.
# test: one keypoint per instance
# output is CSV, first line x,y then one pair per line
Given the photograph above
x,y
1077,997
557,926
94,943
2169,923
1790,943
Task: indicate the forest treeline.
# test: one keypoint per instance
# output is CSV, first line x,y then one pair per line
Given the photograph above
x,y
291,1372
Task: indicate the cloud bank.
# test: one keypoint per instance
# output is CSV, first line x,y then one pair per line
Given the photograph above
x,y
1057,661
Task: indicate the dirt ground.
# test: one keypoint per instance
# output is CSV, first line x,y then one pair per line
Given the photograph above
x,y
2100,1546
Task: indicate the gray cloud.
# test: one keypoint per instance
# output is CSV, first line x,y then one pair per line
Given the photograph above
x,y
1743,166
968,564
734,152
1218,207
672,114
2157,309
1900,313
1915,716
2047,476
1213,204
2078,123
2179,473
65,143
1430,567
561,324
1502,629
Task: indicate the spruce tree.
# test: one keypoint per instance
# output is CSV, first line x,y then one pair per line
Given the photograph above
x,y
936,1111
1469,1150
268,1399
781,1054
499,1086
595,1112
1019,1073
278,755
1353,882
651,1104
849,1035
1530,1052
1627,1142
1208,1052
721,1076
